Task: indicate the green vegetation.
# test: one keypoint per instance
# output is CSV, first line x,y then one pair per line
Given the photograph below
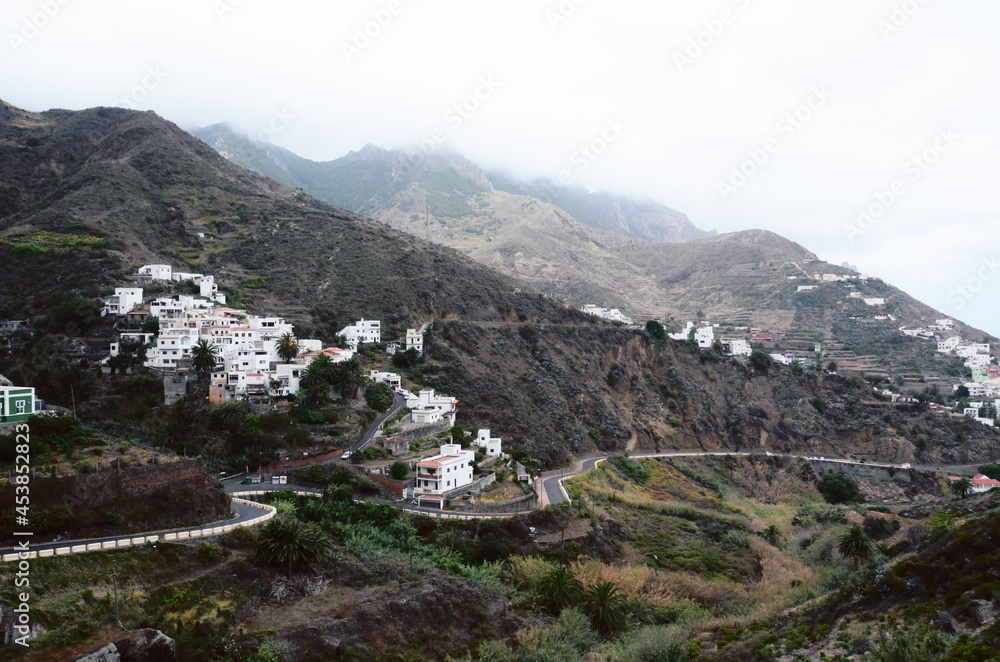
x,y
254,283
379,397
839,488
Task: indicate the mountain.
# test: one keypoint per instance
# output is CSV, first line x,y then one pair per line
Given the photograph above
x,y
90,195
641,219
546,236
364,181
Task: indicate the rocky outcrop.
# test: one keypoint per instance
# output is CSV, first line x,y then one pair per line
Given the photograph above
x,y
141,646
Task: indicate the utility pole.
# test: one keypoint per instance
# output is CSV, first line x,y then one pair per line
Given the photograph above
x,y
73,396
427,222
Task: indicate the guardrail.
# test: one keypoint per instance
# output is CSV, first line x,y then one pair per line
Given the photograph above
x,y
123,543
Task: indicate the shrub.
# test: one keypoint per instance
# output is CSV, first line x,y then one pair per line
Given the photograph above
x,y
287,542
879,528
761,361
379,397
316,474
839,488
676,422
398,470
208,553
253,283
26,250
632,469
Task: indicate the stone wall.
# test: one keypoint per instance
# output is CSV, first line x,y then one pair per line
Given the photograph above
x,y
873,472
526,502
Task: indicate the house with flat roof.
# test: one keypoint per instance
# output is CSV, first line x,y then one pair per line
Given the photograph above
x,y
445,472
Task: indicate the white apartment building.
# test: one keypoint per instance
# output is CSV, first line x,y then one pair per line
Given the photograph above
x,y
179,276
429,408
125,300
875,301
415,340
449,470
610,314
172,345
153,272
949,344
362,331
737,347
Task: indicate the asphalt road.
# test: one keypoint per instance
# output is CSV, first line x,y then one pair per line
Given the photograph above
x,y
243,512
397,404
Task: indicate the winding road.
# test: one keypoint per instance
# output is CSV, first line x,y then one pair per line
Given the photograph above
x,y
549,487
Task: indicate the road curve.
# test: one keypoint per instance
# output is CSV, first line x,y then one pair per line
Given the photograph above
x,y
246,514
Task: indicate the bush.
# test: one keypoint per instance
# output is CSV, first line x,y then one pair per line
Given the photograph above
x,y
879,528
839,488
398,470
208,553
253,283
632,469
656,330
379,397
761,361
315,474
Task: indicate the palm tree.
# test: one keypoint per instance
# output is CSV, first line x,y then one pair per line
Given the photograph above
x,y
772,535
962,487
288,542
560,588
228,418
855,545
313,386
348,377
288,348
606,608
204,357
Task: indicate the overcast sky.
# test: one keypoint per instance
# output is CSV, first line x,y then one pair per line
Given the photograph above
x,y
827,107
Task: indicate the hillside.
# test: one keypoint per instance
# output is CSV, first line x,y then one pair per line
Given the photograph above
x,y
101,191
595,248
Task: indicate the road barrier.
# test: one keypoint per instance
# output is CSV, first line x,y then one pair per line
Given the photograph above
x,y
83,547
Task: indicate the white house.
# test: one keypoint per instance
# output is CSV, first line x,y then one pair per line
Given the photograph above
x,y
704,336
363,331
449,470
125,300
210,289
807,288
875,301
949,344
737,347
155,272
428,408
415,340
492,445
683,335
980,483
131,337
179,276
390,379
610,314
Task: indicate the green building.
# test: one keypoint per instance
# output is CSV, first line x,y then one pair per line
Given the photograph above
x,y
16,404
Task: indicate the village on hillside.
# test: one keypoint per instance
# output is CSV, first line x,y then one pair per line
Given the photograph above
x,y
977,396
415,451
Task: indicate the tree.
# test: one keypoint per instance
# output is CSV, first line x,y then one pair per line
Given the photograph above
x,y
131,354
761,360
398,470
991,470
204,358
313,387
406,359
772,535
962,393
606,608
855,545
962,487
378,397
458,435
839,488
656,330
559,588
288,347
348,377
831,366
290,543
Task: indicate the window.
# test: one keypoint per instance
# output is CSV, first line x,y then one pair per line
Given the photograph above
x,y
20,406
